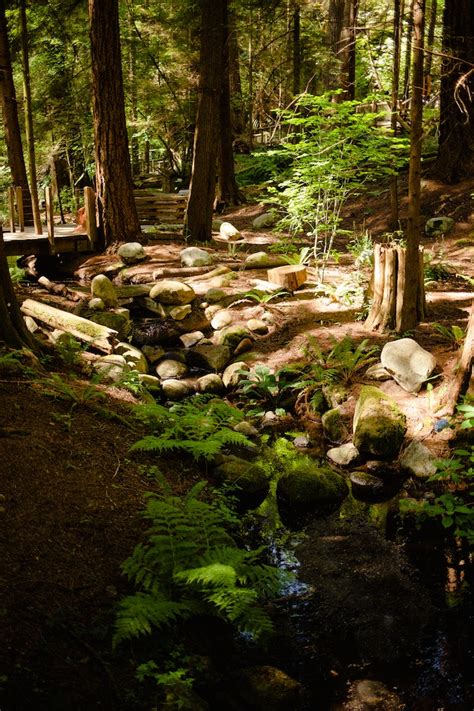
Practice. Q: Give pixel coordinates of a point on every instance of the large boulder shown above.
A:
(131, 252)
(249, 477)
(408, 363)
(195, 257)
(379, 424)
(437, 226)
(102, 288)
(170, 291)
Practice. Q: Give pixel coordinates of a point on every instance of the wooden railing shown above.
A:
(156, 208)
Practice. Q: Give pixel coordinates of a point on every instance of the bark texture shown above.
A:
(114, 186)
(198, 223)
(13, 331)
(11, 126)
(455, 159)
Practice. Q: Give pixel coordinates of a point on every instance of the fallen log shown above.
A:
(462, 371)
(100, 337)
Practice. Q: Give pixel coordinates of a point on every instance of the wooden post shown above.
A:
(19, 208)
(91, 219)
(50, 218)
(11, 208)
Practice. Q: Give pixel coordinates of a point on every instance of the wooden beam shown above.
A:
(91, 218)
(11, 208)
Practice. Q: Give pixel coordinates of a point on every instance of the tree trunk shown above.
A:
(296, 44)
(410, 313)
(228, 189)
(16, 160)
(342, 39)
(455, 159)
(235, 84)
(429, 47)
(13, 331)
(114, 185)
(132, 65)
(198, 223)
(406, 76)
(397, 17)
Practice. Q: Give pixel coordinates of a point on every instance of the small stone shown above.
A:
(195, 257)
(131, 252)
(209, 357)
(176, 389)
(262, 260)
(210, 383)
(178, 313)
(112, 367)
(334, 426)
(191, 339)
(232, 375)
(169, 291)
(150, 381)
(232, 335)
(153, 353)
(246, 428)
(228, 232)
(301, 442)
(244, 346)
(257, 326)
(96, 304)
(31, 324)
(170, 369)
(437, 226)
(211, 310)
(102, 288)
(133, 356)
(418, 460)
(221, 319)
(267, 219)
(214, 295)
(344, 455)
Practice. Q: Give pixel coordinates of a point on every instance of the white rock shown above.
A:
(176, 389)
(112, 367)
(191, 339)
(267, 219)
(210, 383)
(246, 429)
(228, 232)
(178, 313)
(408, 363)
(221, 319)
(172, 292)
(170, 369)
(102, 288)
(133, 356)
(231, 375)
(343, 455)
(257, 326)
(195, 257)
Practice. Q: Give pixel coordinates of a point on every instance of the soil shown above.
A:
(71, 492)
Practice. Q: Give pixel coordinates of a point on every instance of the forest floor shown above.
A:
(71, 493)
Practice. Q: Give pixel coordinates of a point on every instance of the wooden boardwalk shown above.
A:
(67, 239)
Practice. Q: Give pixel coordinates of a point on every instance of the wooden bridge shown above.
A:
(153, 208)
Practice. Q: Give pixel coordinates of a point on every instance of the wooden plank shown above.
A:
(11, 208)
(20, 208)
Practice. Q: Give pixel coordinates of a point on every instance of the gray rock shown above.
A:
(169, 291)
(153, 353)
(267, 219)
(244, 346)
(214, 295)
(344, 455)
(232, 335)
(150, 382)
(221, 319)
(262, 260)
(195, 257)
(176, 389)
(379, 425)
(437, 226)
(418, 460)
(168, 368)
(113, 319)
(301, 442)
(133, 356)
(209, 357)
(210, 383)
(232, 375)
(408, 363)
(131, 252)
(366, 486)
(308, 485)
(102, 288)
(228, 232)
(179, 313)
(246, 428)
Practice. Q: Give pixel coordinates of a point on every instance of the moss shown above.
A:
(379, 424)
(309, 485)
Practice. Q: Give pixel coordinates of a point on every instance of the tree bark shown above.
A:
(198, 222)
(342, 39)
(296, 48)
(13, 331)
(11, 125)
(397, 17)
(228, 189)
(455, 159)
(114, 185)
(410, 315)
(235, 84)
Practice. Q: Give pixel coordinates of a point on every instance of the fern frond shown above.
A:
(215, 575)
(140, 613)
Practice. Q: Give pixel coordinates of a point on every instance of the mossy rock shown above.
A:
(252, 484)
(379, 424)
(118, 322)
(334, 426)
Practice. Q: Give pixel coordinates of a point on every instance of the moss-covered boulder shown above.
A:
(308, 485)
(250, 479)
(379, 424)
(334, 425)
(266, 687)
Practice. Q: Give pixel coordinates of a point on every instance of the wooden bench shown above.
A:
(160, 208)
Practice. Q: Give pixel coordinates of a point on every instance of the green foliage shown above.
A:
(264, 389)
(452, 334)
(69, 348)
(435, 269)
(262, 166)
(335, 150)
(262, 297)
(361, 247)
(342, 362)
(454, 507)
(201, 426)
(76, 393)
(191, 565)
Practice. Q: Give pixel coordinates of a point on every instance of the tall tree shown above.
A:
(114, 185)
(455, 159)
(342, 20)
(13, 331)
(409, 312)
(198, 224)
(16, 160)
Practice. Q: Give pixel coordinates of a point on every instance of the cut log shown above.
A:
(290, 277)
(100, 337)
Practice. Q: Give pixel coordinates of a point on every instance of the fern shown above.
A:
(202, 427)
(192, 565)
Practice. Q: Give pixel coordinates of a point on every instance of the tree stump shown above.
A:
(388, 285)
(290, 277)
